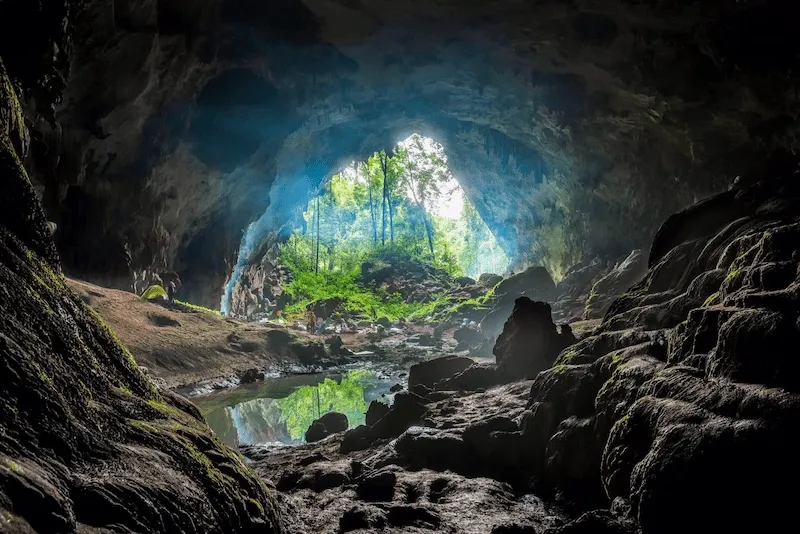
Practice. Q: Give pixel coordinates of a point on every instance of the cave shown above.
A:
(166, 368)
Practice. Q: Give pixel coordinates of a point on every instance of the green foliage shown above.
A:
(299, 409)
(154, 292)
(349, 215)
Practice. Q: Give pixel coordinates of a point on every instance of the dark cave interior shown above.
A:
(632, 371)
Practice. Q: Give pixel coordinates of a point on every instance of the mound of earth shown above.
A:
(87, 443)
(183, 346)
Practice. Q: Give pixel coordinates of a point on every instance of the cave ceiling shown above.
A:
(184, 121)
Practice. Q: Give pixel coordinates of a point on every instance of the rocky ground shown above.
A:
(679, 408)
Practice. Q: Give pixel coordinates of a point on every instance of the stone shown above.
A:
(375, 411)
(330, 423)
(379, 486)
(625, 274)
(472, 337)
(530, 341)
(473, 378)
(432, 371)
(489, 280)
(250, 376)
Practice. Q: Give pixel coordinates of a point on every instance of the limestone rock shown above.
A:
(530, 341)
(330, 423)
(432, 371)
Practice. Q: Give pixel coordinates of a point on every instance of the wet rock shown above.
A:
(384, 322)
(615, 283)
(470, 337)
(464, 281)
(379, 486)
(432, 371)
(357, 518)
(250, 376)
(514, 529)
(534, 283)
(357, 439)
(412, 516)
(330, 423)
(395, 388)
(87, 442)
(489, 280)
(473, 378)
(530, 341)
(375, 411)
(407, 410)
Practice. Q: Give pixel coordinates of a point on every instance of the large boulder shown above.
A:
(534, 283)
(429, 373)
(530, 340)
(330, 423)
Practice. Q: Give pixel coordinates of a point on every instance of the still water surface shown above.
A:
(281, 410)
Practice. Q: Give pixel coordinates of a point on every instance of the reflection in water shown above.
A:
(282, 410)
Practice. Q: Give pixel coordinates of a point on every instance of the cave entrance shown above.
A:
(387, 238)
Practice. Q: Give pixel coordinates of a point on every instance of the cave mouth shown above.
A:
(388, 237)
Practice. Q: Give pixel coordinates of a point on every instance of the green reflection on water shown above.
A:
(284, 408)
(299, 409)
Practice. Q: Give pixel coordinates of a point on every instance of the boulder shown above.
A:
(475, 377)
(489, 280)
(534, 282)
(324, 308)
(407, 410)
(430, 372)
(530, 340)
(330, 423)
(605, 290)
(375, 411)
(471, 337)
(250, 376)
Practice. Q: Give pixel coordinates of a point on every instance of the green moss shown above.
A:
(143, 426)
(126, 390)
(43, 376)
(711, 300)
(199, 458)
(14, 466)
(195, 307)
(153, 292)
(732, 274)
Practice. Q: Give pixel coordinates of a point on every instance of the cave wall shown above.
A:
(183, 122)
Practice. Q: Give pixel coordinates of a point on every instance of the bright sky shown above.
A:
(450, 205)
(452, 201)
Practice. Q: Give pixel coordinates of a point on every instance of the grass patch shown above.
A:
(195, 307)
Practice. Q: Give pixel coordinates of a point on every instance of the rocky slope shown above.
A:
(182, 346)
(677, 414)
(86, 441)
(583, 123)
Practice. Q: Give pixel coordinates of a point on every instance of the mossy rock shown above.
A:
(87, 441)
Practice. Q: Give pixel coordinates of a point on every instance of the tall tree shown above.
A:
(384, 169)
(316, 252)
(371, 202)
(418, 194)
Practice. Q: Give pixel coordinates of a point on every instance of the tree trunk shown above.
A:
(316, 253)
(384, 165)
(420, 201)
(371, 208)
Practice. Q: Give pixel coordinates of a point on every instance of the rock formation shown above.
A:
(86, 440)
(549, 112)
(530, 341)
